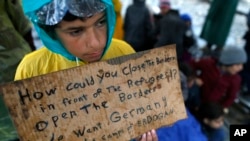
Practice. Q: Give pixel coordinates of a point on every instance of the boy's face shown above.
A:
(234, 69)
(85, 39)
(215, 123)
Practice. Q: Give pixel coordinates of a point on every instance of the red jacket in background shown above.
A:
(217, 86)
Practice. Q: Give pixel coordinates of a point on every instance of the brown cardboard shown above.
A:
(117, 99)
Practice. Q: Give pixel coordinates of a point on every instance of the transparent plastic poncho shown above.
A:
(53, 12)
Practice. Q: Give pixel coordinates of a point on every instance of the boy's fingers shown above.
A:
(154, 135)
(144, 137)
(149, 136)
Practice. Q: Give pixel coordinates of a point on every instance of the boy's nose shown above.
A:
(92, 40)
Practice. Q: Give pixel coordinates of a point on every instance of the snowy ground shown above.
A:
(198, 10)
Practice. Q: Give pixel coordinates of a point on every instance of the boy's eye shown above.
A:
(101, 22)
(76, 32)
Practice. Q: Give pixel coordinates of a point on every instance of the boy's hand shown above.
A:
(149, 136)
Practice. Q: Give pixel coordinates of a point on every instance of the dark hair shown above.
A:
(210, 110)
(70, 17)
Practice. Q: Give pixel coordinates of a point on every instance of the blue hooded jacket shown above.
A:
(188, 129)
(30, 6)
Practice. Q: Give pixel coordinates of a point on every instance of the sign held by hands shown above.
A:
(118, 99)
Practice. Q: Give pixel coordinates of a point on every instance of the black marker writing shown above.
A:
(35, 95)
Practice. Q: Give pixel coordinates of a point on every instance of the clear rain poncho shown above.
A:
(51, 12)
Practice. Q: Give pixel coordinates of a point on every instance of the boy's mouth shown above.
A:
(95, 54)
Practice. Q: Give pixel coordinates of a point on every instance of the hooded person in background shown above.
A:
(138, 26)
(189, 37)
(118, 33)
(75, 33)
(219, 79)
(190, 47)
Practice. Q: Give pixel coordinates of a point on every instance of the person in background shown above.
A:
(187, 77)
(217, 25)
(138, 26)
(188, 129)
(15, 38)
(164, 6)
(211, 117)
(169, 28)
(81, 34)
(193, 129)
(118, 33)
(189, 40)
(15, 42)
(218, 79)
(190, 89)
(245, 74)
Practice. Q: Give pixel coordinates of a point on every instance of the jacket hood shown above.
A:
(31, 6)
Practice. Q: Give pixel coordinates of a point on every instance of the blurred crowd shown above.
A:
(212, 77)
(213, 74)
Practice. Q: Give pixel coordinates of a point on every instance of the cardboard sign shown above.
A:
(118, 99)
